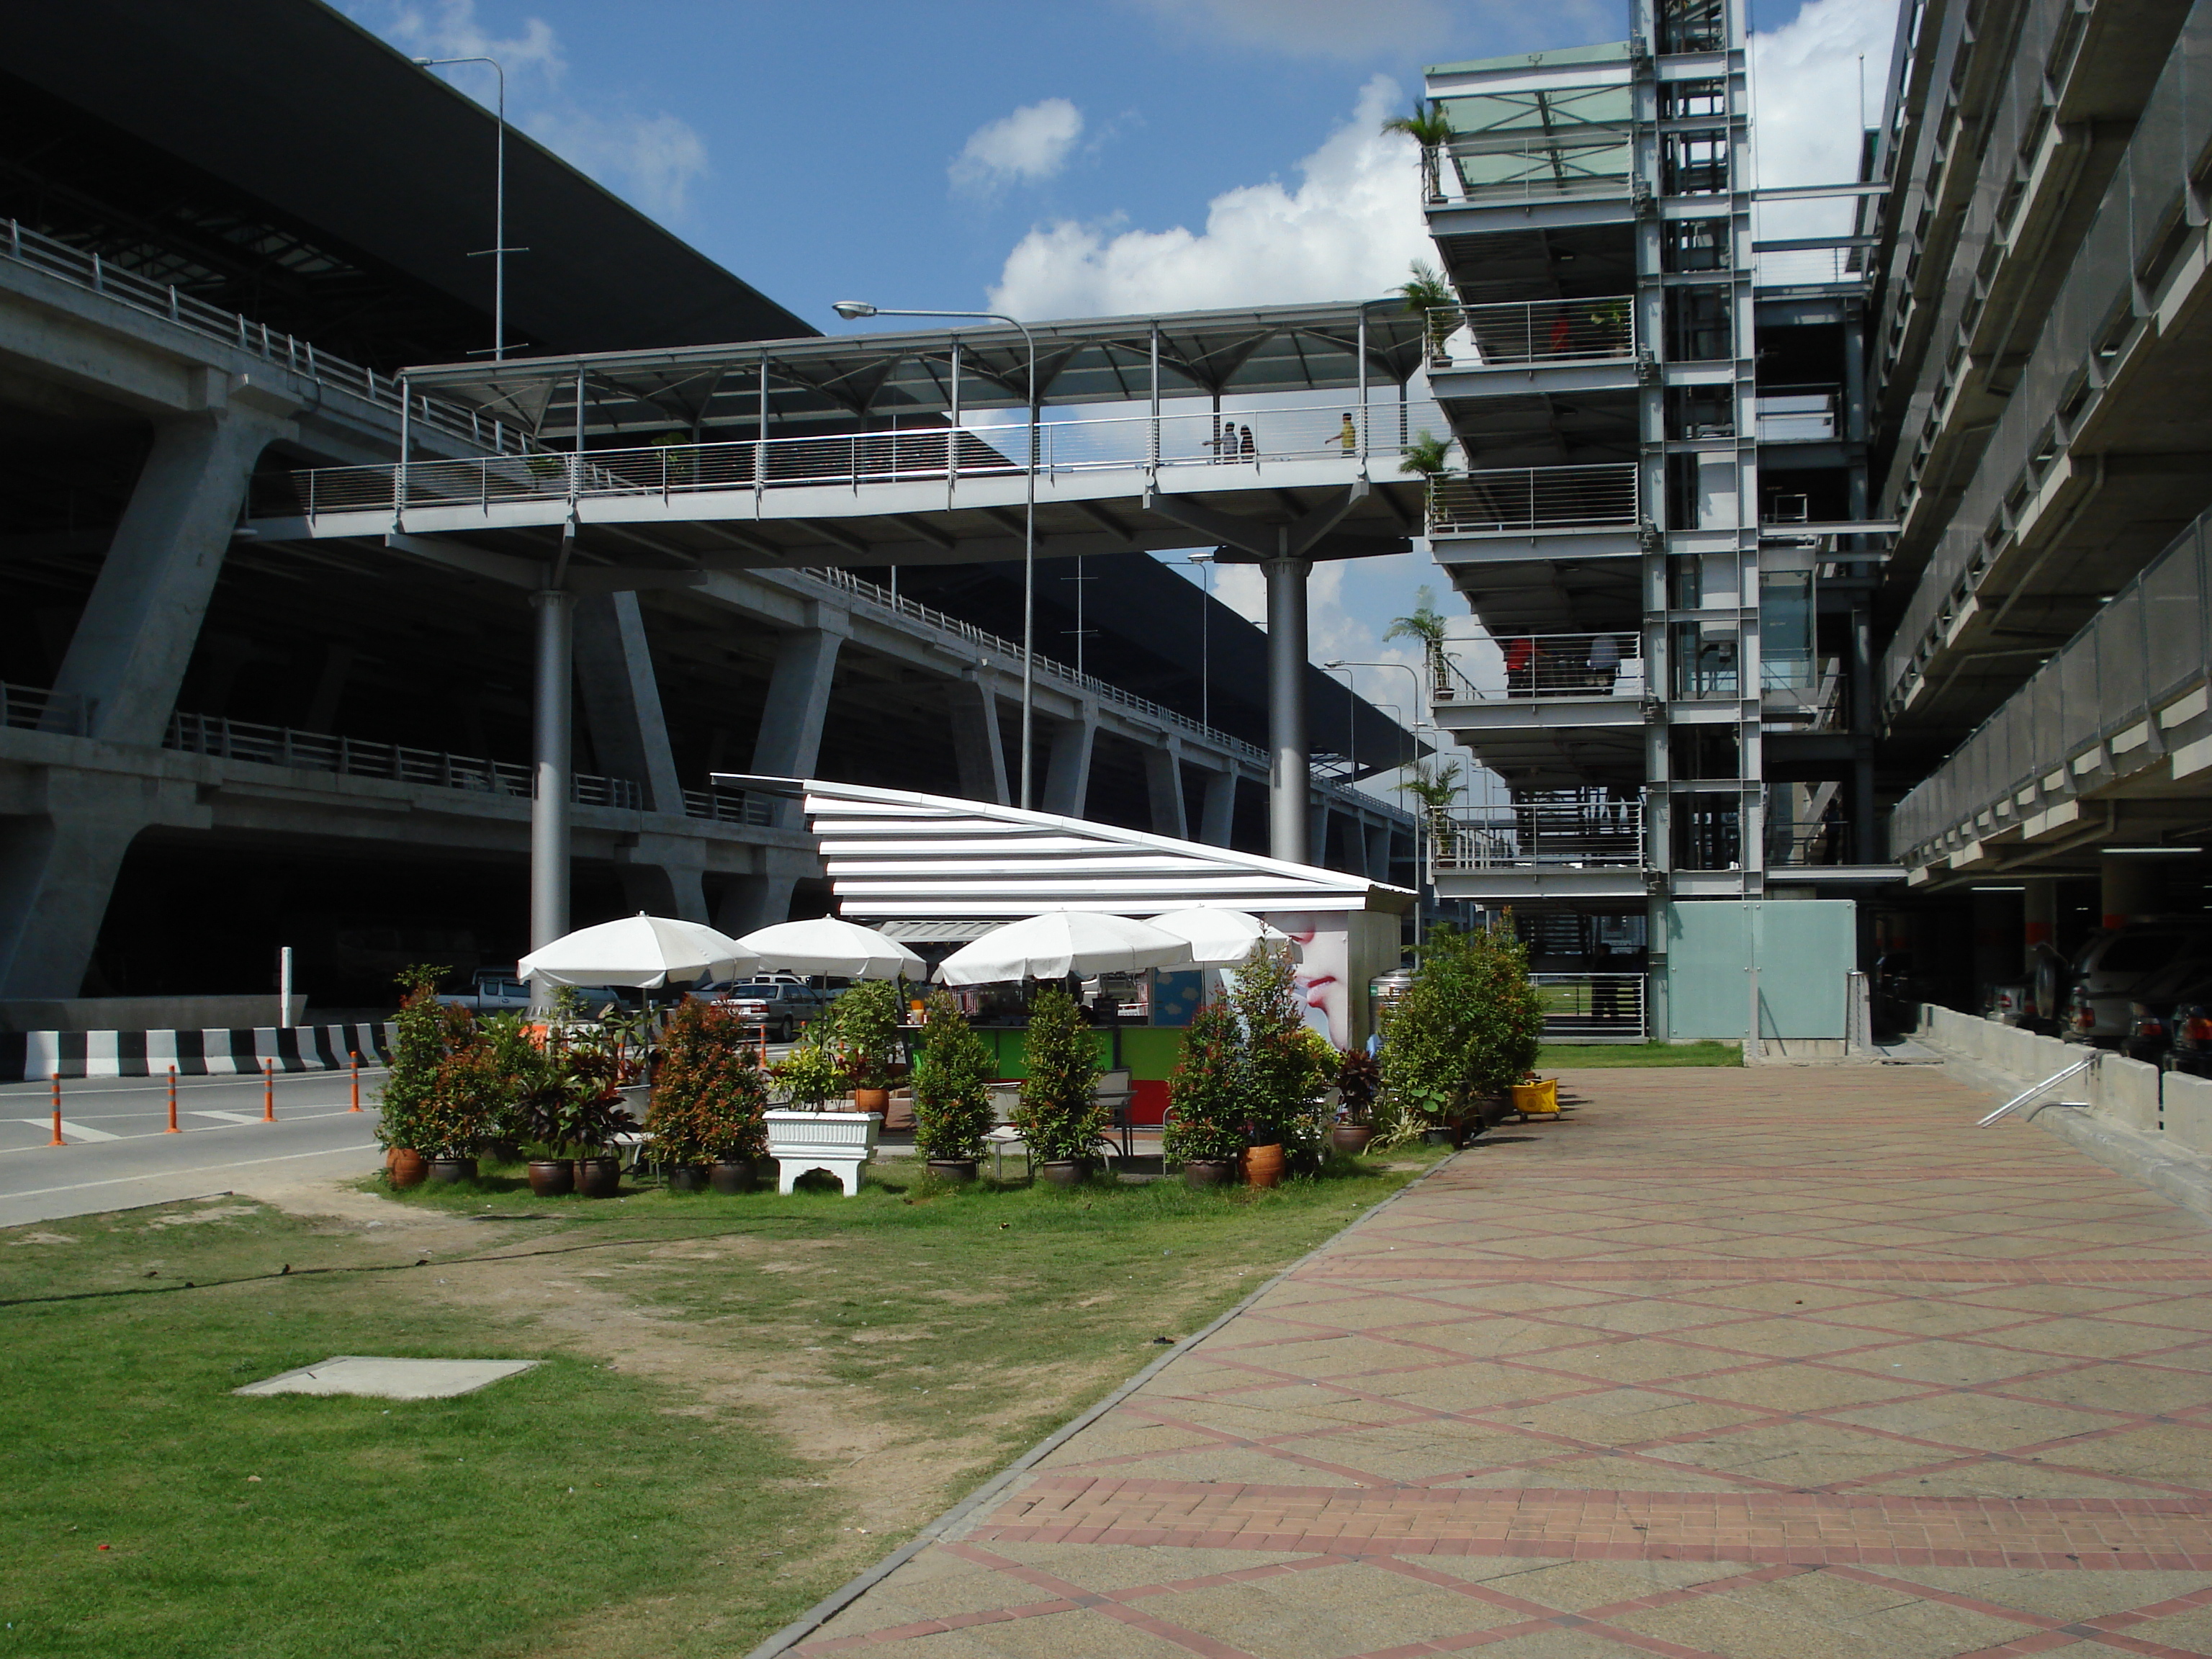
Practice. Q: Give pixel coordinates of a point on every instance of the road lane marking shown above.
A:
(162, 1174)
(228, 1117)
(69, 1129)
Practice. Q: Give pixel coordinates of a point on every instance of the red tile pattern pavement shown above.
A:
(1741, 1363)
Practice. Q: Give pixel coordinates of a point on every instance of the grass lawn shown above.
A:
(743, 1400)
(1562, 1056)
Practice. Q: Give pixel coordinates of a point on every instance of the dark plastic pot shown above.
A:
(552, 1177)
(953, 1171)
(1439, 1136)
(503, 1151)
(1066, 1171)
(1207, 1172)
(731, 1177)
(1351, 1138)
(688, 1178)
(598, 1177)
(447, 1171)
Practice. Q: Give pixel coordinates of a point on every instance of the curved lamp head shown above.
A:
(853, 310)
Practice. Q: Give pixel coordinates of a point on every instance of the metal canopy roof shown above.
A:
(870, 379)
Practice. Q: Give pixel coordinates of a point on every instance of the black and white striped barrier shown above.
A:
(35, 1056)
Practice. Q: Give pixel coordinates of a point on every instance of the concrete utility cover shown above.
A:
(391, 1379)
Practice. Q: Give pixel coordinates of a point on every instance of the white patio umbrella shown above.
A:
(645, 951)
(1060, 943)
(827, 945)
(1222, 938)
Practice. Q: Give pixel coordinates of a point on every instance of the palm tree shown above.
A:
(1431, 129)
(1427, 293)
(1436, 789)
(1426, 624)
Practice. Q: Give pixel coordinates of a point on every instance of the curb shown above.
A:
(2180, 1176)
(845, 1594)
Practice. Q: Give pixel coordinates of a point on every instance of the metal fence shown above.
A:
(1591, 1007)
(1241, 437)
(162, 299)
(1540, 331)
(1541, 835)
(1506, 500)
(1551, 665)
(32, 708)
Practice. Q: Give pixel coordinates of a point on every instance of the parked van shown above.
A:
(2117, 963)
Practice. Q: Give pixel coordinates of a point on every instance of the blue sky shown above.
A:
(1066, 158)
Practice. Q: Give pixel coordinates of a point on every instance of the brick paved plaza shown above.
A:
(1768, 1364)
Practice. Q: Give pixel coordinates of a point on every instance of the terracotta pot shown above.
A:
(1351, 1138)
(871, 1100)
(1263, 1166)
(1207, 1172)
(688, 1178)
(446, 1171)
(405, 1168)
(952, 1170)
(552, 1177)
(1066, 1171)
(736, 1177)
(598, 1177)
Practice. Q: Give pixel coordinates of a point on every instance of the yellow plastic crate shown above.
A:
(1537, 1099)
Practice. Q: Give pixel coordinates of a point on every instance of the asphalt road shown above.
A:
(118, 1152)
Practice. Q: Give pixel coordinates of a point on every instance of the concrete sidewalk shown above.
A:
(1728, 1362)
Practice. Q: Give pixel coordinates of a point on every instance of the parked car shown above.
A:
(2117, 964)
(778, 1005)
(492, 991)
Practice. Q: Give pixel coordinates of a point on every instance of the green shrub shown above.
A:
(814, 1074)
(1283, 1082)
(418, 1047)
(1205, 1096)
(1058, 1116)
(1468, 1027)
(865, 1021)
(709, 1092)
(952, 1072)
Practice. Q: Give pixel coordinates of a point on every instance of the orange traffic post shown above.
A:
(57, 1141)
(268, 1091)
(356, 1082)
(173, 1129)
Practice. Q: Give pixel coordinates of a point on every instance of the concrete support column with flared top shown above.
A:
(552, 773)
(1217, 809)
(2129, 887)
(1289, 768)
(1067, 764)
(1163, 790)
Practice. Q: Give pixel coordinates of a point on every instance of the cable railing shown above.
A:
(1523, 499)
(1538, 666)
(1537, 333)
(89, 271)
(1540, 834)
(1591, 1007)
(1251, 439)
(1811, 267)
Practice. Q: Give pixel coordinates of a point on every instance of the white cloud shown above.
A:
(1316, 28)
(1028, 147)
(652, 160)
(1348, 231)
(1805, 98)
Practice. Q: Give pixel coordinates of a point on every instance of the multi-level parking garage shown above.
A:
(227, 235)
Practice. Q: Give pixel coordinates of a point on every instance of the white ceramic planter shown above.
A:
(838, 1142)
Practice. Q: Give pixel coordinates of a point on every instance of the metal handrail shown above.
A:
(2051, 1082)
(1537, 332)
(1541, 835)
(90, 271)
(1523, 499)
(1538, 665)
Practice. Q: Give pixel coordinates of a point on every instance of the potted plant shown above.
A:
(1431, 129)
(952, 1072)
(464, 1100)
(1059, 1115)
(418, 1046)
(1359, 1075)
(1428, 294)
(1282, 1092)
(865, 1020)
(707, 1095)
(1467, 1027)
(1206, 1116)
(802, 1133)
(1427, 625)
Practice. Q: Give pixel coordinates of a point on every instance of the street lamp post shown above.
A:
(500, 250)
(853, 311)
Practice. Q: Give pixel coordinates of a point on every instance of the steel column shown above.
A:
(1290, 782)
(552, 780)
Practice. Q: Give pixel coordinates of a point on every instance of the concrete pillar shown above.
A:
(1866, 827)
(622, 698)
(1994, 933)
(135, 640)
(1289, 783)
(2129, 887)
(762, 899)
(2039, 922)
(1316, 833)
(664, 875)
(972, 708)
(548, 809)
(1217, 813)
(1163, 790)
(1067, 766)
(790, 740)
(1377, 837)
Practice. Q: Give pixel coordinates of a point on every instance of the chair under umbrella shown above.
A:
(1060, 943)
(1222, 938)
(827, 944)
(641, 951)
